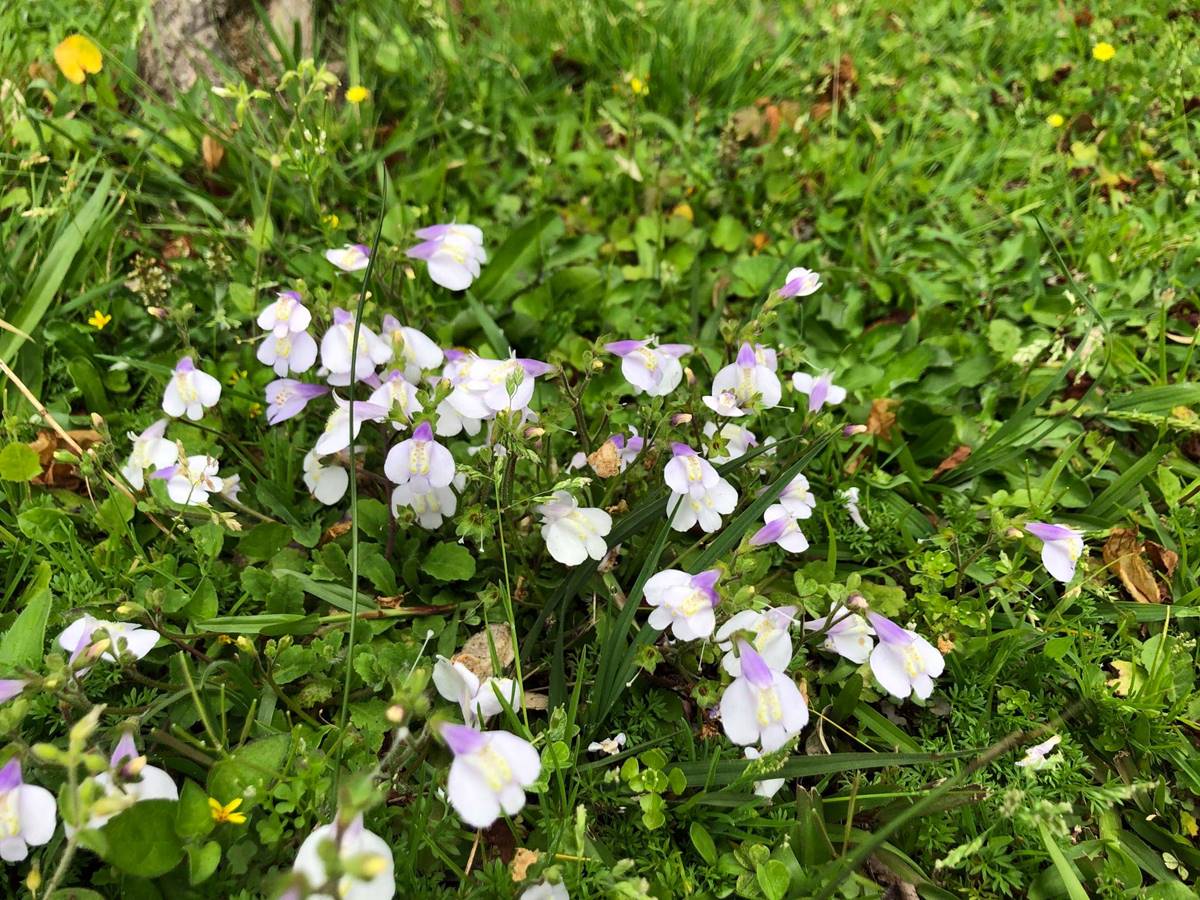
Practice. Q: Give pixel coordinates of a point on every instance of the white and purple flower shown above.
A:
(769, 633)
(1062, 546)
(850, 501)
(336, 346)
(490, 772)
(350, 258)
(820, 389)
(420, 463)
(398, 396)
(327, 483)
(800, 282)
(287, 397)
(128, 781)
(190, 391)
(337, 433)
(412, 350)
(797, 499)
(698, 493)
(86, 631)
(649, 366)
(287, 314)
(781, 528)
(478, 700)
(684, 603)
(573, 533)
(368, 869)
(738, 441)
(452, 252)
(846, 633)
(743, 383)
(150, 451)
(288, 352)
(761, 706)
(1036, 756)
(28, 814)
(192, 480)
(903, 662)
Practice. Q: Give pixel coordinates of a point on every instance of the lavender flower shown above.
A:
(29, 814)
(800, 282)
(150, 451)
(287, 397)
(649, 366)
(190, 391)
(453, 253)
(742, 383)
(820, 390)
(903, 662)
(848, 634)
(761, 705)
(350, 258)
(420, 463)
(1061, 548)
(698, 493)
(684, 603)
(771, 637)
(490, 772)
(781, 528)
(573, 533)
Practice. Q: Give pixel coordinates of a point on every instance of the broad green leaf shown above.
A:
(23, 643)
(193, 818)
(19, 462)
(250, 766)
(142, 841)
(449, 562)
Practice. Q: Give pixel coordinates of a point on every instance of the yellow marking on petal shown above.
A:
(769, 709)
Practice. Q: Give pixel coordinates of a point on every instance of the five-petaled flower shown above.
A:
(478, 699)
(573, 533)
(420, 463)
(698, 493)
(190, 391)
(227, 812)
(781, 528)
(28, 814)
(1036, 756)
(150, 451)
(490, 772)
(453, 253)
(742, 383)
(649, 366)
(1061, 548)
(98, 319)
(769, 632)
(903, 662)
(800, 282)
(820, 389)
(684, 603)
(368, 869)
(846, 633)
(761, 705)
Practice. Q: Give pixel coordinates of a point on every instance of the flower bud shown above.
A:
(533, 431)
(47, 753)
(680, 419)
(690, 376)
(396, 713)
(857, 602)
(852, 430)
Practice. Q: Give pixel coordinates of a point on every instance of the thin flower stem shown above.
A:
(344, 712)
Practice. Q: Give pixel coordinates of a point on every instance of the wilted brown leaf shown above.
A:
(63, 475)
(1123, 554)
(953, 461)
(748, 123)
(1163, 560)
(178, 248)
(882, 417)
(605, 461)
(522, 860)
(213, 151)
(333, 532)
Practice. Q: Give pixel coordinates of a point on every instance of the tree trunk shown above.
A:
(188, 40)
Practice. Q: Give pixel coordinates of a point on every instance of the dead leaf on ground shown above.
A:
(1163, 560)
(476, 654)
(333, 532)
(522, 860)
(1123, 554)
(953, 461)
(605, 461)
(55, 474)
(882, 417)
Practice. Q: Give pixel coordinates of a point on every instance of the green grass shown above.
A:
(1022, 290)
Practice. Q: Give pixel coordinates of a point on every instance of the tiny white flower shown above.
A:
(610, 746)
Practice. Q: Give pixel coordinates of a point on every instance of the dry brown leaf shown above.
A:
(476, 654)
(1123, 554)
(333, 532)
(882, 417)
(1163, 560)
(953, 461)
(522, 860)
(213, 150)
(179, 248)
(63, 475)
(748, 123)
(605, 461)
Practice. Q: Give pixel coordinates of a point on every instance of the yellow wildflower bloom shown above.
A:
(78, 57)
(1054, 120)
(1104, 51)
(98, 320)
(226, 813)
(357, 94)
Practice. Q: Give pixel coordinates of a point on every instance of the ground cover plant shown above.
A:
(603, 450)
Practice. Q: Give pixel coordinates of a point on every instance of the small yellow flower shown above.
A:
(684, 211)
(1054, 120)
(77, 57)
(255, 410)
(235, 376)
(331, 219)
(640, 88)
(357, 94)
(226, 813)
(98, 320)
(1104, 51)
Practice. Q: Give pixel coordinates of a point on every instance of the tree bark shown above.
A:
(188, 40)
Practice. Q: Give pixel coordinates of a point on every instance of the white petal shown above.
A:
(38, 814)
(469, 794)
(522, 758)
(1057, 560)
(738, 718)
(888, 667)
(449, 274)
